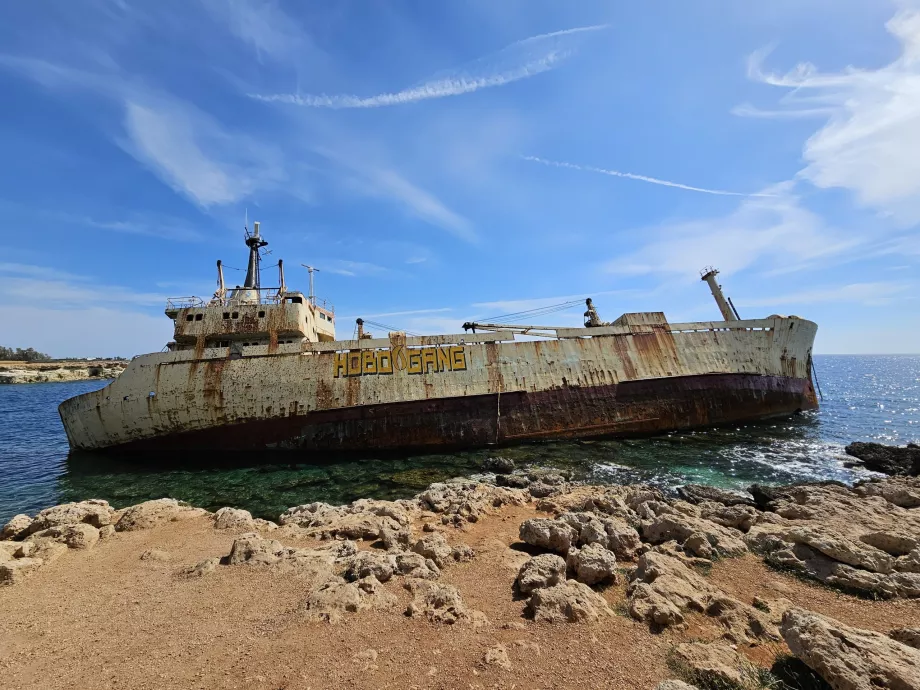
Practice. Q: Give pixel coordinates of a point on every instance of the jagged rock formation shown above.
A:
(849, 658)
(893, 460)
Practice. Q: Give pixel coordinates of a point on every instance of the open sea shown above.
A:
(866, 398)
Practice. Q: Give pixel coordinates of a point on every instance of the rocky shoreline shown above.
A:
(56, 372)
(714, 589)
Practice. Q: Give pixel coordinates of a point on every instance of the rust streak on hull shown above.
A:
(626, 409)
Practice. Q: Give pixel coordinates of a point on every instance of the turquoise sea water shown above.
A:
(867, 398)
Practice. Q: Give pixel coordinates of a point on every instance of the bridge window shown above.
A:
(189, 318)
(236, 315)
(261, 314)
(226, 314)
(198, 317)
(295, 300)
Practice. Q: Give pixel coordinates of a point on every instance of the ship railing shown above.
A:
(175, 303)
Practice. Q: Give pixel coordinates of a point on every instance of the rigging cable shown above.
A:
(539, 311)
(377, 324)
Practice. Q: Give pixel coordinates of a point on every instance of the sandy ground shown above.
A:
(104, 618)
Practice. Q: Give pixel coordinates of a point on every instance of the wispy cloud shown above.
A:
(410, 312)
(261, 24)
(872, 132)
(520, 60)
(864, 293)
(759, 232)
(380, 181)
(633, 176)
(185, 147)
(24, 283)
(748, 110)
(352, 269)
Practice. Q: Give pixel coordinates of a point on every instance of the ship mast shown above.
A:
(728, 313)
(255, 243)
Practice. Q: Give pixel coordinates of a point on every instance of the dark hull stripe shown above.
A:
(631, 408)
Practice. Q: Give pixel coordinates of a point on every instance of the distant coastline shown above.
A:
(60, 370)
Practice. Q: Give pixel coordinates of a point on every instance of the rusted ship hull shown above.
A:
(632, 408)
(453, 391)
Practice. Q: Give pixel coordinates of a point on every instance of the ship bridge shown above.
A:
(250, 314)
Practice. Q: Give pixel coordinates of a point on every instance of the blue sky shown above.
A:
(441, 162)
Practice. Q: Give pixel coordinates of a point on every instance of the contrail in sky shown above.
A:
(640, 178)
(521, 59)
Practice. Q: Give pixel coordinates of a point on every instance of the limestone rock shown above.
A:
(395, 539)
(542, 490)
(362, 519)
(715, 664)
(366, 563)
(155, 555)
(106, 531)
(497, 656)
(48, 551)
(567, 602)
(412, 564)
(592, 564)
(233, 518)
(664, 588)
(75, 536)
(698, 545)
(331, 600)
(17, 570)
(887, 459)
(253, 549)
(435, 547)
(545, 570)
(850, 658)
(512, 481)
(95, 512)
(462, 553)
(724, 541)
(552, 535)
(202, 569)
(436, 602)
(675, 685)
(466, 500)
(740, 517)
(698, 493)
(908, 636)
(902, 492)
(498, 465)
(845, 550)
(148, 514)
(17, 526)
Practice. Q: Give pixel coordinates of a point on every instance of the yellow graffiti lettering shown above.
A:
(444, 363)
(354, 363)
(429, 359)
(384, 362)
(413, 361)
(399, 358)
(458, 357)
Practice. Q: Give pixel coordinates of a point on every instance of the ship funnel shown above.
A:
(709, 275)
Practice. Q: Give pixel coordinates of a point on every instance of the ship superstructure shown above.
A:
(257, 367)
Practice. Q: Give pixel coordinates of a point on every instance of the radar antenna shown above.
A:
(311, 270)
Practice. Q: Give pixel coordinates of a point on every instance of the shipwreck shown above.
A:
(255, 367)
